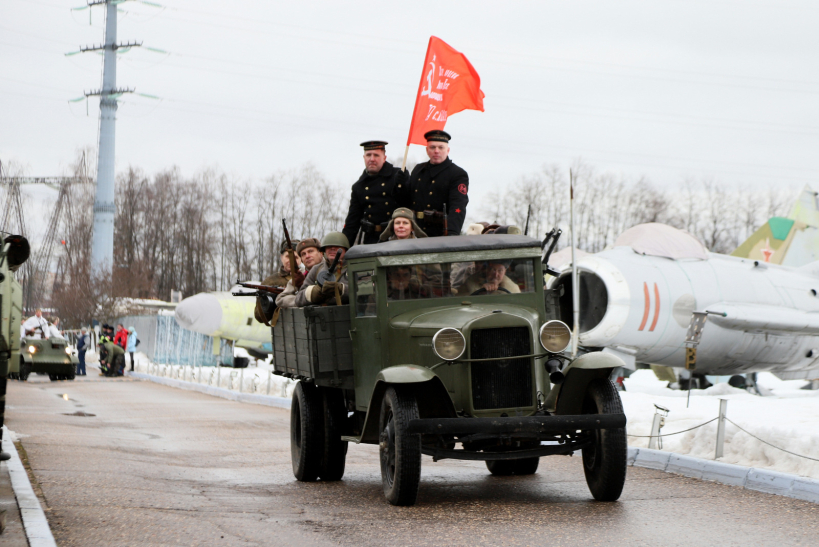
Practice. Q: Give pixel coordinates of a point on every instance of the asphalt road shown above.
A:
(123, 462)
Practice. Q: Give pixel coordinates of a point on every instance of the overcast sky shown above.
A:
(667, 89)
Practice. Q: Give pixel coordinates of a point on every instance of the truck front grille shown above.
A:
(501, 383)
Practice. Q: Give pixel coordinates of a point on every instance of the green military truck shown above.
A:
(13, 254)
(447, 341)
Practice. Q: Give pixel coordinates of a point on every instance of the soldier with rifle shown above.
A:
(372, 201)
(327, 282)
(282, 276)
(437, 190)
(309, 250)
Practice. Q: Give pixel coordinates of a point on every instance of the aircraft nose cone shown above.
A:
(200, 313)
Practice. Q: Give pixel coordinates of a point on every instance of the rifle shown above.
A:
(258, 288)
(330, 275)
(445, 221)
(291, 253)
(554, 235)
(528, 214)
(265, 296)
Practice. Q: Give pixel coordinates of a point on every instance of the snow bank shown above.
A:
(788, 418)
(253, 379)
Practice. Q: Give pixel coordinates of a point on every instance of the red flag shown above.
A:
(449, 84)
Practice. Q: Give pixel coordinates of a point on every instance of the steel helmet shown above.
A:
(334, 239)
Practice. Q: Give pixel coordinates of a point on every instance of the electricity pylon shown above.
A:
(102, 247)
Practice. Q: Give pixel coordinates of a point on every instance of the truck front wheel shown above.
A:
(604, 462)
(306, 432)
(400, 452)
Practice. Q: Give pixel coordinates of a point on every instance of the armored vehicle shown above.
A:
(447, 341)
(53, 356)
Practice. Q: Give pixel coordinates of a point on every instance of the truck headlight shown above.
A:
(68, 350)
(448, 344)
(555, 336)
(32, 349)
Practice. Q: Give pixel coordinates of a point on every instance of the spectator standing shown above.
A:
(83, 341)
(121, 337)
(132, 342)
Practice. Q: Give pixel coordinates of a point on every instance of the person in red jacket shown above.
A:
(121, 338)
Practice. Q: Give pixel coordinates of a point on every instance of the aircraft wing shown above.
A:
(774, 319)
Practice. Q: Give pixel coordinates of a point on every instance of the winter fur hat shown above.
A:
(402, 212)
(306, 243)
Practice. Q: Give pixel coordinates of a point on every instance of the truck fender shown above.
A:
(567, 398)
(433, 398)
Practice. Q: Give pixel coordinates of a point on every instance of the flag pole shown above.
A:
(575, 278)
(404, 163)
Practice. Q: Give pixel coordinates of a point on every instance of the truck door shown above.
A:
(365, 334)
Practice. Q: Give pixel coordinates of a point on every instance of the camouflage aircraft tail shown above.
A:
(791, 241)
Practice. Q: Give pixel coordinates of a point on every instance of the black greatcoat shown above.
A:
(372, 200)
(429, 187)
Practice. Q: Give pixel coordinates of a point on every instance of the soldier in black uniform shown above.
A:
(372, 201)
(433, 184)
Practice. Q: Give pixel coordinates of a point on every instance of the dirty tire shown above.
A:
(25, 370)
(334, 454)
(523, 466)
(604, 462)
(400, 452)
(53, 377)
(306, 432)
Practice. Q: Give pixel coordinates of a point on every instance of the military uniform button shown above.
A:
(430, 193)
(433, 182)
(367, 187)
(369, 206)
(382, 184)
(366, 197)
(384, 193)
(419, 178)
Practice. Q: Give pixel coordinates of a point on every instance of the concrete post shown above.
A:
(655, 431)
(269, 378)
(218, 376)
(241, 379)
(723, 412)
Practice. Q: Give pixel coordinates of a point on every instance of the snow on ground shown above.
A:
(788, 418)
(253, 379)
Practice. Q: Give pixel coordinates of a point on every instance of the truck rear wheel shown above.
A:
(604, 462)
(306, 432)
(523, 466)
(334, 455)
(400, 452)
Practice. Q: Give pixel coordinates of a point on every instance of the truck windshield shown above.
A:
(489, 277)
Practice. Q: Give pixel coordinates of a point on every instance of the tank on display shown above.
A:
(637, 299)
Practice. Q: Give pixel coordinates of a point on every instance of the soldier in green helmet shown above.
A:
(323, 286)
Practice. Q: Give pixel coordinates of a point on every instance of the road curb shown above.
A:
(750, 478)
(38, 532)
(224, 393)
